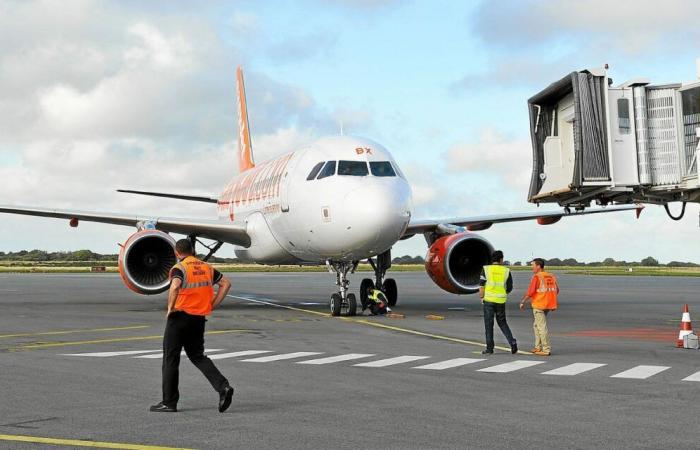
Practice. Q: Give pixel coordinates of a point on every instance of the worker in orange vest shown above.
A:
(190, 299)
(542, 294)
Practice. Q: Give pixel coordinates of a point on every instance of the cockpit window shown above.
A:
(315, 171)
(382, 169)
(328, 170)
(353, 168)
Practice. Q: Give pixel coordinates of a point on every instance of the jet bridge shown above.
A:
(631, 143)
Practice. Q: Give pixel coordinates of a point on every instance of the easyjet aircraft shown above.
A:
(338, 201)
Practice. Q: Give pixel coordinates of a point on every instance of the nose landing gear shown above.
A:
(342, 299)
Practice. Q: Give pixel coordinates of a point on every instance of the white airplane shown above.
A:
(338, 201)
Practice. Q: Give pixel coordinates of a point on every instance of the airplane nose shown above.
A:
(377, 214)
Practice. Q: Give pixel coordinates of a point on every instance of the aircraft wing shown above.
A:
(476, 223)
(210, 229)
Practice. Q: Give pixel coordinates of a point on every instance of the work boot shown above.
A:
(160, 407)
(541, 353)
(535, 350)
(514, 348)
(487, 352)
(225, 397)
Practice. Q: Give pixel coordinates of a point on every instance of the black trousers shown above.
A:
(185, 330)
(499, 310)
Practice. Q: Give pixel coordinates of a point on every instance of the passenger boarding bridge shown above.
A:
(631, 143)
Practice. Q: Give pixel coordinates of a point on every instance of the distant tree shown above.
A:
(650, 261)
(569, 262)
(609, 262)
(554, 262)
(506, 263)
(517, 263)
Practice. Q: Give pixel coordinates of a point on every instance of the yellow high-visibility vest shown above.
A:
(374, 296)
(495, 287)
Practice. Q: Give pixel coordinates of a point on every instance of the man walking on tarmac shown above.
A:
(542, 293)
(495, 284)
(190, 300)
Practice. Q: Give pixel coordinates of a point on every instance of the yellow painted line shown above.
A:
(381, 325)
(81, 443)
(93, 330)
(104, 341)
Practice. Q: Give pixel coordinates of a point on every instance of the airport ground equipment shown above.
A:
(635, 142)
(686, 327)
(690, 341)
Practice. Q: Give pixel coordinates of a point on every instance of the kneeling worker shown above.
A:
(190, 300)
(542, 293)
(376, 301)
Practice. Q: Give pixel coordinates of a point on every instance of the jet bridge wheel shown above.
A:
(391, 291)
(352, 305)
(336, 304)
(364, 284)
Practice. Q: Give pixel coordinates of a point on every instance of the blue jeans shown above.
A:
(498, 310)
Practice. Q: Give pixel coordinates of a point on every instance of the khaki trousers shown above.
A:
(540, 328)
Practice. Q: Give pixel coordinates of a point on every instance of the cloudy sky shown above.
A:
(96, 96)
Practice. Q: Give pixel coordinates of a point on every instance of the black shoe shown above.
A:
(487, 352)
(225, 397)
(514, 348)
(160, 407)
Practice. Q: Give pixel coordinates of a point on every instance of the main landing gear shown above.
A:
(343, 301)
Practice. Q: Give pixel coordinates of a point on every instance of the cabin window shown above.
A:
(328, 170)
(382, 169)
(623, 115)
(353, 168)
(315, 171)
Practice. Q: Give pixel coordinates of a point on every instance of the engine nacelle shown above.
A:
(454, 262)
(145, 261)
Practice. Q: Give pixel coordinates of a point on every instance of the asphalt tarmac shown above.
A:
(305, 380)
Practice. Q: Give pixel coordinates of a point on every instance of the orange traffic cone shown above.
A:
(686, 327)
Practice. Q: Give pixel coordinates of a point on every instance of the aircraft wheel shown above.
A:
(336, 304)
(391, 291)
(366, 283)
(352, 305)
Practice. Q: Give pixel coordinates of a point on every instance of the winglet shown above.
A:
(638, 210)
(245, 150)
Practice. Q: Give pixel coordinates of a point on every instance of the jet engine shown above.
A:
(145, 261)
(454, 262)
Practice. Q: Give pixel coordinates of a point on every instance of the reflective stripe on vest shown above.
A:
(546, 295)
(374, 296)
(196, 292)
(495, 287)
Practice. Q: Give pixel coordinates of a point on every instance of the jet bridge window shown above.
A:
(382, 169)
(315, 171)
(328, 170)
(353, 168)
(623, 115)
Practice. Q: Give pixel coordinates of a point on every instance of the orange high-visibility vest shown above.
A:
(197, 291)
(546, 295)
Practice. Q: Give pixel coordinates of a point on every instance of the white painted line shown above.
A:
(574, 369)
(108, 354)
(281, 357)
(450, 363)
(159, 355)
(641, 372)
(511, 366)
(236, 354)
(333, 359)
(391, 361)
(693, 377)
(310, 303)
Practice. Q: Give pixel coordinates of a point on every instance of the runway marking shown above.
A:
(511, 366)
(574, 369)
(236, 354)
(108, 354)
(449, 364)
(283, 356)
(377, 325)
(93, 330)
(693, 377)
(159, 355)
(391, 361)
(105, 341)
(333, 359)
(81, 443)
(640, 372)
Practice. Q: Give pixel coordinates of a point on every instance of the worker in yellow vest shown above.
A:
(496, 283)
(542, 293)
(376, 302)
(191, 298)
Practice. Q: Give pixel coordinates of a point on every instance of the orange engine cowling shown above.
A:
(145, 261)
(454, 262)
